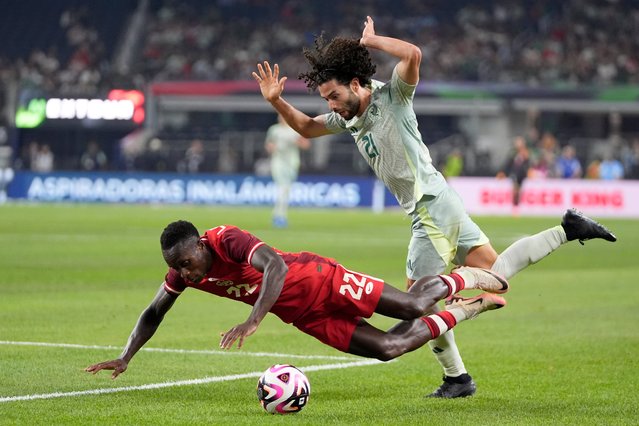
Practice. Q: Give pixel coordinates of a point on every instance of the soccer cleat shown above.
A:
(484, 279)
(474, 306)
(280, 222)
(582, 228)
(451, 389)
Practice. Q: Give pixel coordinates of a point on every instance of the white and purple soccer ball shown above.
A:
(283, 389)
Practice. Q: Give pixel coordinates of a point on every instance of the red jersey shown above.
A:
(231, 275)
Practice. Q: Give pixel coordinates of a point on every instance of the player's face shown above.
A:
(341, 98)
(190, 258)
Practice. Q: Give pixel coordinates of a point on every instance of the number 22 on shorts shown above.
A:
(355, 286)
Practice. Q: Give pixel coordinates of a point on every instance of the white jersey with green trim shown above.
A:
(387, 136)
(286, 152)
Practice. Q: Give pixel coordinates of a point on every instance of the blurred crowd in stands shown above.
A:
(535, 157)
(534, 42)
(60, 47)
(74, 46)
(525, 41)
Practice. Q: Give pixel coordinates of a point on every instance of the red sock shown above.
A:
(439, 323)
(454, 282)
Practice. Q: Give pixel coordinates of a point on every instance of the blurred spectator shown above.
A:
(593, 170)
(93, 158)
(532, 133)
(320, 152)
(454, 165)
(517, 167)
(155, 159)
(131, 147)
(44, 159)
(544, 158)
(630, 159)
(610, 168)
(6, 171)
(27, 156)
(262, 166)
(228, 162)
(568, 165)
(194, 158)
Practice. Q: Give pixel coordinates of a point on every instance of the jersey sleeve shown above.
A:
(238, 245)
(173, 283)
(334, 123)
(403, 91)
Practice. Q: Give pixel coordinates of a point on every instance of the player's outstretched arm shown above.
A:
(272, 86)
(146, 326)
(274, 270)
(410, 56)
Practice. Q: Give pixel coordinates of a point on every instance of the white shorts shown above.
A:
(442, 232)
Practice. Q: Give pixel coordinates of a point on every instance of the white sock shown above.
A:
(529, 250)
(447, 354)
(469, 281)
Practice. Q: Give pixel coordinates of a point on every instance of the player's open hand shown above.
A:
(271, 85)
(369, 30)
(239, 332)
(118, 366)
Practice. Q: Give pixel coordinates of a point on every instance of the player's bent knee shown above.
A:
(411, 310)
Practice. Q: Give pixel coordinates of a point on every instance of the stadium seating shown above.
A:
(69, 48)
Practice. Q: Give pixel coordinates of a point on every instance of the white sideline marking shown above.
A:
(182, 351)
(201, 381)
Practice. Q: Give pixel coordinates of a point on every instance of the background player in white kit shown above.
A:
(283, 145)
(381, 119)
(6, 170)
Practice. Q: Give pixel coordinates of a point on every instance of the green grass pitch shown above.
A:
(564, 351)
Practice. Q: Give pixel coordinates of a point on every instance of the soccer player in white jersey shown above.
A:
(283, 145)
(381, 119)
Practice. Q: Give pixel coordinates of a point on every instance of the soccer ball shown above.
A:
(283, 389)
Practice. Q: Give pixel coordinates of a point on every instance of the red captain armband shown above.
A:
(171, 290)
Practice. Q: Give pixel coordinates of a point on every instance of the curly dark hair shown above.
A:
(342, 59)
(176, 232)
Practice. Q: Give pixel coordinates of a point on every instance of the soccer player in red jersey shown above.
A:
(314, 293)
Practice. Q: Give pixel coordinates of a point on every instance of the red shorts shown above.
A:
(332, 320)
